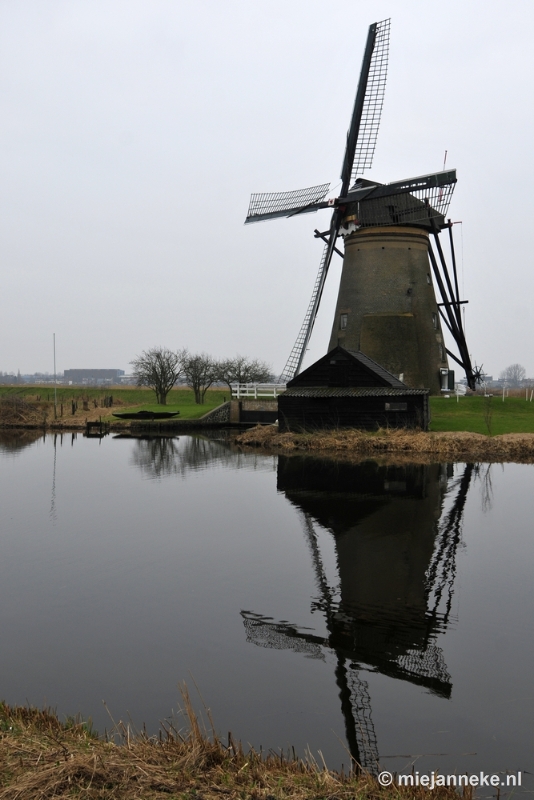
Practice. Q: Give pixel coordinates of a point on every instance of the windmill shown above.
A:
(394, 596)
(386, 305)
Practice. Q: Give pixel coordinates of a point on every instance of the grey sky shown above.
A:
(132, 134)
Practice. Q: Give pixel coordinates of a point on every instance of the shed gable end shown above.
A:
(342, 367)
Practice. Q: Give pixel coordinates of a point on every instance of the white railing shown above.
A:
(257, 389)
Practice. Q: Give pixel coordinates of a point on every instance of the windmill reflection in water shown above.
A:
(396, 561)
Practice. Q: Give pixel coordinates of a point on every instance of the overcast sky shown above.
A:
(132, 134)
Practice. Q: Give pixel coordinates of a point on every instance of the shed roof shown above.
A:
(351, 391)
(365, 372)
(374, 365)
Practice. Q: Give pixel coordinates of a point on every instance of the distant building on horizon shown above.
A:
(10, 378)
(92, 376)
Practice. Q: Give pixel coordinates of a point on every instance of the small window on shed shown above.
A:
(396, 406)
(343, 321)
(441, 352)
(428, 277)
(435, 320)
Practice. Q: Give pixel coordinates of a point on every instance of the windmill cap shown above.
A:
(361, 183)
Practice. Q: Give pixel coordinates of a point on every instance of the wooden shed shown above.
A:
(347, 389)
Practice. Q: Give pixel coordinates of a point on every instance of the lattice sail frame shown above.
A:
(428, 663)
(373, 101)
(360, 701)
(263, 205)
(298, 351)
(265, 632)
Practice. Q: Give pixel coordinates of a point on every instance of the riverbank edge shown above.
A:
(410, 445)
(40, 756)
(348, 444)
(116, 427)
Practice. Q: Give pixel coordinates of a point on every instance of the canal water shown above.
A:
(379, 609)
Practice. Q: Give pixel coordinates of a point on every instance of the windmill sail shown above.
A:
(294, 362)
(270, 205)
(365, 121)
(373, 101)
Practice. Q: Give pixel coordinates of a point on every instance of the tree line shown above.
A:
(160, 369)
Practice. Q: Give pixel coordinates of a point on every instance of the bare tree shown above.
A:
(199, 372)
(514, 374)
(159, 369)
(243, 370)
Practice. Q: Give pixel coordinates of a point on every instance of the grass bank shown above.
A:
(453, 446)
(41, 757)
(479, 414)
(34, 405)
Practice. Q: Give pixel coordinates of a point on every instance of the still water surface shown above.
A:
(386, 610)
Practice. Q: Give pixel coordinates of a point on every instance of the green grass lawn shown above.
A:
(187, 408)
(515, 415)
(129, 398)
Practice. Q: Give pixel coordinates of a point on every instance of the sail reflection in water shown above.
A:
(396, 563)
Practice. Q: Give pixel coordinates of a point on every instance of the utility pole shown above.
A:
(55, 380)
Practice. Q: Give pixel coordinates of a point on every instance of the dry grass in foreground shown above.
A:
(454, 445)
(40, 757)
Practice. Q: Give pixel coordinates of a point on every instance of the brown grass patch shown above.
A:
(16, 410)
(458, 446)
(40, 757)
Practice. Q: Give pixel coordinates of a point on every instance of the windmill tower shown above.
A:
(386, 305)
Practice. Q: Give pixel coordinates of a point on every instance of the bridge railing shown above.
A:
(257, 389)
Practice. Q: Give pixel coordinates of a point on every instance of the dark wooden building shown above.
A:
(346, 389)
